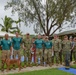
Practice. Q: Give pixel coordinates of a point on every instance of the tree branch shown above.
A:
(55, 29)
(47, 15)
(1, 25)
(38, 16)
(52, 25)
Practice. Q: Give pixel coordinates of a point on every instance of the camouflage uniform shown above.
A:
(66, 48)
(39, 50)
(60, 53)
(74, 51)
(57, 48)
(48, 55)
(43, 50)
(48, 51)
(27, 52)
(39, 54)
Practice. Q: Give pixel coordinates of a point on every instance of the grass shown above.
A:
(73, 66)
(44, 72)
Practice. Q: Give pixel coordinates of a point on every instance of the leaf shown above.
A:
(44, 16)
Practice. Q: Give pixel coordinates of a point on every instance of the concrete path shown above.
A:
(27, 69)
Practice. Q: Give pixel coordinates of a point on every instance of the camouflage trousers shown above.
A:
(66, 57)
(5, 55)
(48, 56)
(74, 55)
(27, 56)
(60, 57)
(15, 53)
(56, 56)
(39, 55)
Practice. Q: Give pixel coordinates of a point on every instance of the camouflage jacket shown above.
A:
(66, 45)
(27, 42)
(56, 44)
(74, 46)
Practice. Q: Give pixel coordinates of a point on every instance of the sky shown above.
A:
(15, 17)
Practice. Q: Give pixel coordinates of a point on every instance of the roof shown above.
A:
(3, 33)
(68, 32)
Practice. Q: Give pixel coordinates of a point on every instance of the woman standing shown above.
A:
(48, 52)
(33, 51)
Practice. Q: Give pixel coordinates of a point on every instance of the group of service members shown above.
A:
(41, 48)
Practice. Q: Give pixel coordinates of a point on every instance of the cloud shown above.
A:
(3, 2)
(15, 17)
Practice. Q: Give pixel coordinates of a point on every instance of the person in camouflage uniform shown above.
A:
(43, 38)
(26, 47)
(33, 51)
(56, 48)
(47, 52)
(74, 50)
(66, 48)
(60, 52)
(39, 50)
(72, 43)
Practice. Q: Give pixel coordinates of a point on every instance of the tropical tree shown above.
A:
(16, 29)
(44, 15)
(7, 24)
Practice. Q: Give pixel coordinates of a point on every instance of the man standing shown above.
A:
(72, 43)
(16, 41)
(60, 52)
(27, 52)
(66, 48)
(39, 49)
(56, 48)
(43, 38)
(74, 50)
(6, 45)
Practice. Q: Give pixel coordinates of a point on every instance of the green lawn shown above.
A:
(73, 66)
(44, 72)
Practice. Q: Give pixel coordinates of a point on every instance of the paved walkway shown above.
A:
(27, 69)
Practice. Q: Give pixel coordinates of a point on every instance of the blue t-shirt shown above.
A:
(39, 43)
(5, 44)
(48, 44)
(16, 43)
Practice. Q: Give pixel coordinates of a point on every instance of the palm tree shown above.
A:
(17, 27)
(17, 30)
(7, 24)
